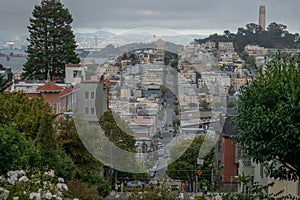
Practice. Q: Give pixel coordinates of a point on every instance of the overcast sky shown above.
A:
(206, 16)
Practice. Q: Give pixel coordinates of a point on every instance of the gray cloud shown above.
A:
(173, 14)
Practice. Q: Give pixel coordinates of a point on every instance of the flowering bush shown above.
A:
(159, 191)
(199, 197)
(19, 185)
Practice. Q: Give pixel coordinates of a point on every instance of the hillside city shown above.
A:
(163, 96)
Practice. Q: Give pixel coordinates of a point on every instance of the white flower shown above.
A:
(48, 195)
(58, 198)
(16, 198)
(12, 179)
(51, 173)
(75, 199)
(13, 176)
(65, 187)
(23, 179)
(11, 173)
(61, 180)
(32, 195)
(35, 195)
(4, 194)
(59, 186)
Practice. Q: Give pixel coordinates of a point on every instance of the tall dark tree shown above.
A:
(4, 84)
(51, 42)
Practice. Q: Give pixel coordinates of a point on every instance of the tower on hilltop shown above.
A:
(262, 17)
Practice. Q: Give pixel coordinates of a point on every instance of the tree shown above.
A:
(51, 154)
(51, 42)
(28, 114)
(119, 133)
(268, 119)
(123, 138)
(184, 168)
(71, 143)
(16, 151)
(4, 83)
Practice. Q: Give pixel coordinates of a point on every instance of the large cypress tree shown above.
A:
(51, 42)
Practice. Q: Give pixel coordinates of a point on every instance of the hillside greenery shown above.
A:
(275, 36)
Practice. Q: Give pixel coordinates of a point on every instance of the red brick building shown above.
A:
(51, 94)
(61, 97)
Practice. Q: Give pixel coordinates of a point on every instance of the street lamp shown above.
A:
(53, 116)
(65, 114)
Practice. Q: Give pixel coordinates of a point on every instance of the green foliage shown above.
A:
(174, 63)
(52, 156)
(164, 89)
(275, 36)
(71, 143)
(117, 131)
(268, 117)
(64, 165)
(32, 139)
(250, 60)
(168, 57)
(184, 168)
(51, 42)
(3, 83)
(27, 114)
(103, 186)
(176, 122)
(204, 105)
(16, 151)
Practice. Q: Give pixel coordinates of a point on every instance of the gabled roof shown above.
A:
(50, 87)
(66, 91)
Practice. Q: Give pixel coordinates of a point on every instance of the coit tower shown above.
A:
(262, 17)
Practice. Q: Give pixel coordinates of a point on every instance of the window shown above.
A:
(86, 110)
(219, 145)
(86, 95)
(55, 107)
(92, 110)
(74, 97)
(92, 95)
(261, 170)
(76, 73)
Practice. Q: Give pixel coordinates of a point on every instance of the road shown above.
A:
(167, 128)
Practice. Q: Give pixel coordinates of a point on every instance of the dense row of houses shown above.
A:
(225, 83)
(135, 94)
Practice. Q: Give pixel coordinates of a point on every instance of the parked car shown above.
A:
(160, 146)
(152, 172)
(135, 184)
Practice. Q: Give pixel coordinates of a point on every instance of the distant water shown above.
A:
(15, 63)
